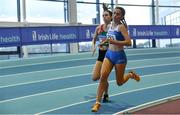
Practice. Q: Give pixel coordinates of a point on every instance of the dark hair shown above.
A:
(123, 12)
(106, 9)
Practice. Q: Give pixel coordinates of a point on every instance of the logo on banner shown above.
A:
(134, 32)
(88, 35)
(177, 31)
(34, 35)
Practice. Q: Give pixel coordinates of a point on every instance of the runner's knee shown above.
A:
(95, 78)
(103, 79)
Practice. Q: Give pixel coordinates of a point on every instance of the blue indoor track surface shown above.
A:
(61, 84)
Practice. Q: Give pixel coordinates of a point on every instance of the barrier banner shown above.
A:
(47, 35)
(150, 32)
(86, 33)
(10, 37)
(175, 31)
(17, 36)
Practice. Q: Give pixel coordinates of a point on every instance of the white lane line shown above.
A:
(45, 63)
(148, 104)
(131, 61)
(57, 78)
(62, 107)
(48, 70)
(72, 88)
(85, 59)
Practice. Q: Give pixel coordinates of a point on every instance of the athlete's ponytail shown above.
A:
(106, 8)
